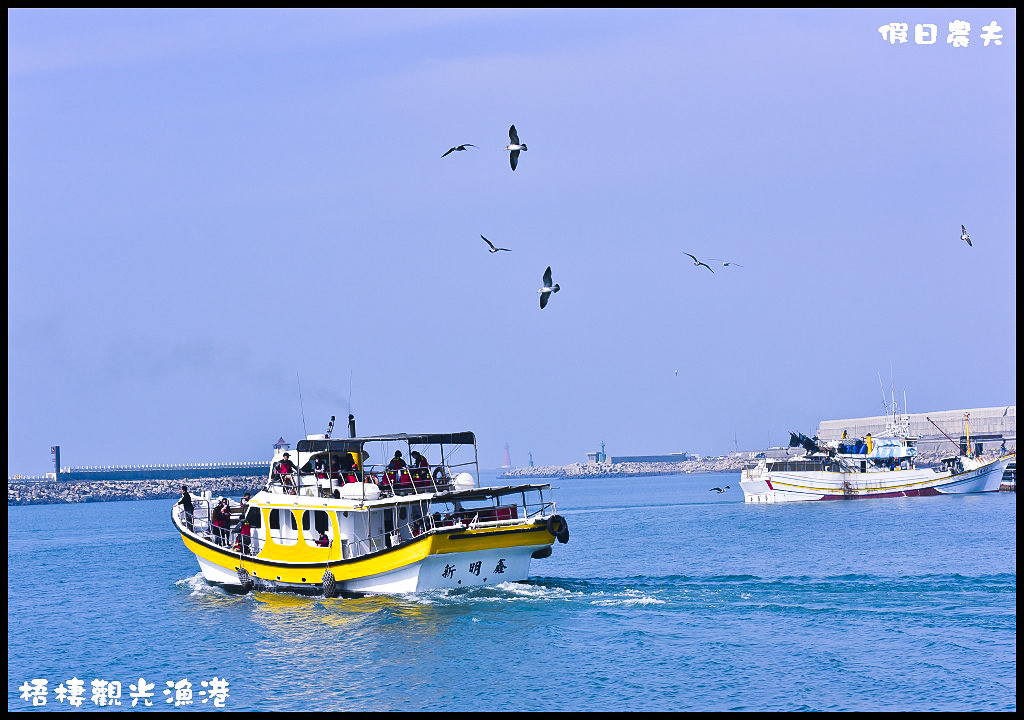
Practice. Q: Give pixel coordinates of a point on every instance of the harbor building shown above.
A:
(992, 429)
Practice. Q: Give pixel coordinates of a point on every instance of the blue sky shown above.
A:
(208, 208)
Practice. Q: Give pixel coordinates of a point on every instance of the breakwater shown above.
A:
(49, 492)
(625, 469)
(629, 469)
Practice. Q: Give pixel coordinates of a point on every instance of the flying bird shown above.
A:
(725, 263)
(963, 233)
(545, 292)
(718, 489)
(491, 245)
(514, 146)
(458, 147)
(698, 263)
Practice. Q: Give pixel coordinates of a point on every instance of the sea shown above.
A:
(669, 596)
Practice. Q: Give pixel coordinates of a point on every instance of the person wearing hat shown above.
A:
(286, 468)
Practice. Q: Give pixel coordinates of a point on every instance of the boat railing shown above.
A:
(438, 522)
(407, 481)
(200, 524)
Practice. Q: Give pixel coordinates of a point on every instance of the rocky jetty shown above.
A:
(608, 470)
(48, 492)
(625, 469)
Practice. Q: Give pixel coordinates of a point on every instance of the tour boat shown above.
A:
(344, 517)
(884, 466)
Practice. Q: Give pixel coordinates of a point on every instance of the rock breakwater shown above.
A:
(48, 492)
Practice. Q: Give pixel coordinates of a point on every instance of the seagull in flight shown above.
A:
(492, 248)
(725, 263)
(964, 236)
(458, 147)
(698, 263)
(514, 146)
(718, 489)
(545, 292)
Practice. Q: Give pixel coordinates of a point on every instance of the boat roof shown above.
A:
(465, 437)
(486, 492)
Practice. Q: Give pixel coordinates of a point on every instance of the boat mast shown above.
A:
(967, 432)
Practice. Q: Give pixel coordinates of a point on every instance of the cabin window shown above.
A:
(313, 521)
(283, 529)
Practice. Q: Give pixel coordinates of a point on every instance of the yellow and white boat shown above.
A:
(331, 521)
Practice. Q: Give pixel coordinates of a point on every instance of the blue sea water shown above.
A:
(667, 597)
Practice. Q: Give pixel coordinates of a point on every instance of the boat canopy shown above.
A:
(486, 492)
(884, 447)
(355, 444)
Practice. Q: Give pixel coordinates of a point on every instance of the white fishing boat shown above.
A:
(351, 516)
(879, 467)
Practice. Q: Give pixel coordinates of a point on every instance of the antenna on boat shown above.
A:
(351, 416)
(301, 411)
(882, 388)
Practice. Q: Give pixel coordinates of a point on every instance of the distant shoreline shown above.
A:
(626, 469)
(629, 469)
(50, 492)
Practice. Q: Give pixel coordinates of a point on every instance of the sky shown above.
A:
(225, 226)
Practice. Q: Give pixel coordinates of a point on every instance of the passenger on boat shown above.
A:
(348, 468)
(244, 510)
(220, 518)
(421, 466)
(244, 542)
(346, 463)
(323, 540)
(397, 463)
(286, 469)
(187, 506)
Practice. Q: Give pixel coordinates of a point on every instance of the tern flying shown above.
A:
(964, 236)
(698, 262)
(458, 147)
(491, 245)
(514, 146)
(545, 292)
(725, 263)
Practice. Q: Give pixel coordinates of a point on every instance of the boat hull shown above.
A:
(766, 486)
(442, 560)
